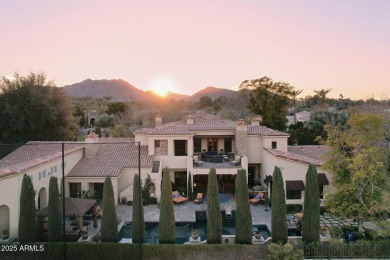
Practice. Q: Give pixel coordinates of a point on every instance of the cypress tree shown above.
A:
(278, 201)
(28, 226)
(189, 187)
(138, 226)
(244, 216)
(109, 229)
(214, 217)
(54, 222)
(167, 216)
(311, 216)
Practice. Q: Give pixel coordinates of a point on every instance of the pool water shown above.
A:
(183, 230)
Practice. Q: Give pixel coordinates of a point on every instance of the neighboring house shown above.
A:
(302, 116)
(229, 145)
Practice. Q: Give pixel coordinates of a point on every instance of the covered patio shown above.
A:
(75, 208)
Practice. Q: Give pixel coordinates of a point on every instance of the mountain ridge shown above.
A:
(121, 90)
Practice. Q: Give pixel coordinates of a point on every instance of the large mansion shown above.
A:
(188, 147)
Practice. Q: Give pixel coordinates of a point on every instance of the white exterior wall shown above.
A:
(281, 142)
(255, 149)
(10, 187)
(292, 171)
(143, 138)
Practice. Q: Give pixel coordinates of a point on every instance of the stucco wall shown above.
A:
(10, 187)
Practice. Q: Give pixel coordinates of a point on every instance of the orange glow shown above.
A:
(162, 87)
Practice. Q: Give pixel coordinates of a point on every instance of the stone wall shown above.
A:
(241, 138)
(162, 150)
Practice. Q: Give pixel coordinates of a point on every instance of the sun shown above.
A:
(162, 87)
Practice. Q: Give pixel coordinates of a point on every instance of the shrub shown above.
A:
(214, 217)
(311, 218)
(278, 222)
(28, 227)
(278, 251)
(294, 208)
(244, 217)
(167, 216)
(109, 225)
(138, 227)
(336, 232)
(54, 217)
(147, 190)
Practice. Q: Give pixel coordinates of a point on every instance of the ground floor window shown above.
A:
(75, 189)
(294, 194)
(181, 178)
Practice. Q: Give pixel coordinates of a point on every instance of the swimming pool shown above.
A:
(183, 230)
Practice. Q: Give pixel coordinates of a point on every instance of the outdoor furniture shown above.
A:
(259, 197)
(236, 161)
(177, 198)
(196, 161)
(212, 157)
(199, 198)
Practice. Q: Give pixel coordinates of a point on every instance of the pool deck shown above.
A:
(185, 212)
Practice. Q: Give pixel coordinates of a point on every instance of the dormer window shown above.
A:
(274, 145)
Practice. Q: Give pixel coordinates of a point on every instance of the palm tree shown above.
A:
(322, 94)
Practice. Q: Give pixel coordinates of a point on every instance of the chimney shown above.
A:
(92, 147)
(190, 120)
(256, 120)
(158, 121)
(241, 138)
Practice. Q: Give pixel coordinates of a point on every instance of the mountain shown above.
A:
(214, 93)
(118, 89)
(121, 90)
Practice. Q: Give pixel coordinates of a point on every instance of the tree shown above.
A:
(119, 131)
(294, 94)
(138, 227)
(357, 161)
(106, 120)
(243, 213)
(28, 227)
(322, 94)
(54, 217)
(167, 216)
(117, 108)
(205, 101)
(109, 229)
(214, 217)
(147, 190)
(79, 115)
(311, 218)
(278, 202)
(33, 108)
(189, 187)
(270, 100)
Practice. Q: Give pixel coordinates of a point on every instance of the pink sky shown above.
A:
(344, 45)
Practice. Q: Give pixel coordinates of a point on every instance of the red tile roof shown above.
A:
(113, 154)
(305, 154)
(110, 159)
(206, 123)
(33, 154)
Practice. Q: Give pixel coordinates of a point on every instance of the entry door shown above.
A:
(212, 144)
(98, 187)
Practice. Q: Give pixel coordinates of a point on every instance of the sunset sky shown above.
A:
(339, 44)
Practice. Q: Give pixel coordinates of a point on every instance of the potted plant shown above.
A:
(124, 200)
(5, 234)
(258, 234)
(195, 234)
(84, 235)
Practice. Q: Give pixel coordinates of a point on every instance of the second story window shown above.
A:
(274, 145)
(156, 143)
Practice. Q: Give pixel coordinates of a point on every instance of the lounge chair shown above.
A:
(177, 198)
(259, 197)
(196, 161)
(199, 198)
(237, 160)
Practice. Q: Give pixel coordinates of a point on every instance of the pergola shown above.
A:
(74, 207)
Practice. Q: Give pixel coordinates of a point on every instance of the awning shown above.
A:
(322, 179)
(295, 185)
